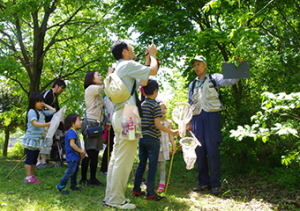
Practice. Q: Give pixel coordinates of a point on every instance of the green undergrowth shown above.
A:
(254, 190)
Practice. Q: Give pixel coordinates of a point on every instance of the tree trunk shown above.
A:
(6, 142)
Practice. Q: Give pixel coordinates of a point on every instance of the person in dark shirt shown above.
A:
(50, 98)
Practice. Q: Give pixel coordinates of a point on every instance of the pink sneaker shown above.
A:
(32, 180)
(161, 188)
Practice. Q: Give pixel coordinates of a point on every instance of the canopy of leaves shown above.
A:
(265, 33)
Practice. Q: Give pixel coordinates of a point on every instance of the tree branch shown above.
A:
(48, 12)
(25, 59)
(2, 7)
(248, 21)
(55, 25)
(297, 5)
(12, 46)
(79, 68)
(28, 24)
(270, 33)
(288, 23)
(19, 84)
(53, 40)
(67, 38)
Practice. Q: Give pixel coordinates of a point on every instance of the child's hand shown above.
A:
(108, 126)
(83, 153)
(48, 124)
(173, 149)
(175, 132)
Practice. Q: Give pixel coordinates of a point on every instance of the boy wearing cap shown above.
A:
(149, 145)
(206, 123)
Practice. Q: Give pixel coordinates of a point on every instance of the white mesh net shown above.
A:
(189, 155)
(182, 114)
(55, 120)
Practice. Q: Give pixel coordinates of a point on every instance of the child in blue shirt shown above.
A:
(149, 145)
(73, 153)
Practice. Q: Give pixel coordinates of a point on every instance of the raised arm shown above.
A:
(223, 82)
(49, 107)
(153, 62)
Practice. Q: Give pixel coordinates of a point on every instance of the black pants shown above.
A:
(104, 159)
(93, 160)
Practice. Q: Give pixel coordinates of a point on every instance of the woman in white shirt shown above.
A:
(95, 116)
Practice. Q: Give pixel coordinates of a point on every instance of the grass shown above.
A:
(240, 192)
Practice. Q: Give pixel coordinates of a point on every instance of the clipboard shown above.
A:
(231, 72)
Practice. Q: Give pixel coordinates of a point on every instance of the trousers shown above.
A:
(207, 129)
(120, 164)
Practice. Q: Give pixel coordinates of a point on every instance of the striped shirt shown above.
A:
(151, 111)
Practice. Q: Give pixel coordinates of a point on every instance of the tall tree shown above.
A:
(51, 39)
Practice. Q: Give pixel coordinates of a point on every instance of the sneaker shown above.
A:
(155, 197)
(126, 206)
(44, 165)
(216, 191)
(38, 165)
(96, 182)
(76, 188)
(63, 189)
(201, 188)
(138, 194)
(126, 201)
(32, 180)
(161, 188)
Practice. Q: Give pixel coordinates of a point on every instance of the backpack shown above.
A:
(115, 89)
(117, 92)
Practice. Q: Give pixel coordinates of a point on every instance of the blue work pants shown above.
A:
(207, 129)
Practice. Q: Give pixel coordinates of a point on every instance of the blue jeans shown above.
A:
(71, 173)
(148, 148)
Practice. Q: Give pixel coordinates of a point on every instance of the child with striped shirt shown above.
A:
(149, 145)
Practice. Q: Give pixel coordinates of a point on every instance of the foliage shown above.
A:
(11, 112)
(44, 41)
(17, 150)
(279, 118)
(181, 94)
(265, 33)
